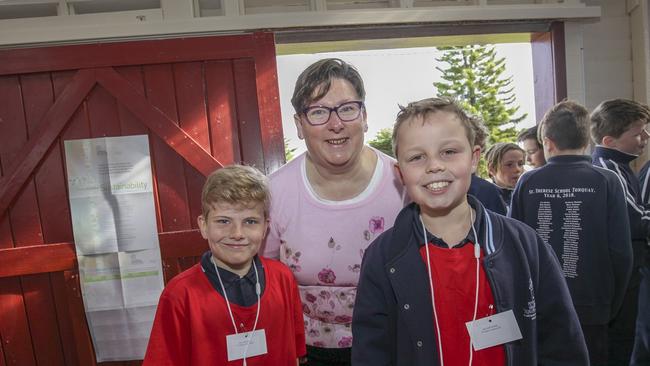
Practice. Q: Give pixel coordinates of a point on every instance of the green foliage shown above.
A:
(288, 151)
(474, 77)
(382, 141)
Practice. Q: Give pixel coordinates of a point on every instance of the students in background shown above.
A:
(449, 261)
(641, 352)
(207, 314)
(618, 128)
(532, 146)
(505, 164)
(580, 210)
(484, 191)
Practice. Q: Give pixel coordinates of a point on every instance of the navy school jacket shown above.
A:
(580, 210)
(488, 193)
(619, 163)
(524, 276)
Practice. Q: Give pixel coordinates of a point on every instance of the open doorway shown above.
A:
(398, 71)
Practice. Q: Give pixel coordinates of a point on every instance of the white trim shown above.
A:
(150, 23)
(628, 196)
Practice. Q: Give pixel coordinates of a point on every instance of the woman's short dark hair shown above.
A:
(315, 81)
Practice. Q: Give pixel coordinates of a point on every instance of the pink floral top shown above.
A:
(323, 242)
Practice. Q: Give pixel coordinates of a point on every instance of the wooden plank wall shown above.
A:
(215, 101)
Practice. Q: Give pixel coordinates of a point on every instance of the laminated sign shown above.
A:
(114, 224)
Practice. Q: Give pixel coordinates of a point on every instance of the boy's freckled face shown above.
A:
(436, 161)
(234, 233)
(510, 169)
(633, 140)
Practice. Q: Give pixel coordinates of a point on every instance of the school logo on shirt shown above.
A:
(531, 311)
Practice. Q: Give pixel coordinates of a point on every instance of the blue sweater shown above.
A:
(488, 194)
(524, 276)
(619, 163)
(580, 210)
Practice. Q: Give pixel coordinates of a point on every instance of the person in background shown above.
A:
(448, 262)
(505, 164)
(641, 351)
(484, 191)
(329, 203)
(618, 128)
(207, 314)
(580, 211)
(532, 146)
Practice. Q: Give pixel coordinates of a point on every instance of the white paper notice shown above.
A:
(141, 277)
(116, 239)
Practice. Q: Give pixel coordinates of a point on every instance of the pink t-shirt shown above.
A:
(323, 242)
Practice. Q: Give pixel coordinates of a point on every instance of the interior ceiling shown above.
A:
(378, 44)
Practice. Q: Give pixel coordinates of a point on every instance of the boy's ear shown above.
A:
(202, 226)
(398, 171)
(549, 146)
(298, 122)
(476, 157)
(608, 141)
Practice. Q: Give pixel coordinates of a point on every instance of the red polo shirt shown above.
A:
(453, 272)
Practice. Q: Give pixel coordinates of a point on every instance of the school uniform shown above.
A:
(393, 314)
(622, 329)
(641, 352)
(580, 210)
(488, 194)
(192, 320)
(506, 196)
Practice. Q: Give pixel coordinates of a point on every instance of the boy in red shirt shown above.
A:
(453, 283)
(234, 307)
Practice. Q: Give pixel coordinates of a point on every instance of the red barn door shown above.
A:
(203, 102)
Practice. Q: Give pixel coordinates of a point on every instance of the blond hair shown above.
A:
(424, 107)
(237, 185)
(495, 154)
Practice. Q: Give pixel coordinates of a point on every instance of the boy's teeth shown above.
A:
(437, 185)
(337, 141)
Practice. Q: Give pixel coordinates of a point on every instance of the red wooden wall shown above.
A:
(204, 102)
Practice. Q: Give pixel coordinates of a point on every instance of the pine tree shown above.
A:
(474, 77)
(288, 151)
(383, 141)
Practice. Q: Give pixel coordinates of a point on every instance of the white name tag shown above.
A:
(493, 330)
(237, 343)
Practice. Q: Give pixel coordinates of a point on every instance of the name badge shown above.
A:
(493, 330)
(238, 344)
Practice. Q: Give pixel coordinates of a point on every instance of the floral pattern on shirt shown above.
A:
(376, 224)
(327, 312)
(327, 307)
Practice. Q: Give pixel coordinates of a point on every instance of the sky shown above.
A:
(399, 76)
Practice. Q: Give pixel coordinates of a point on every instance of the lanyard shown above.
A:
(257, 291)
(477, 256)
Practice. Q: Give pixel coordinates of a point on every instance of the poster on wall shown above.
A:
(116, 239)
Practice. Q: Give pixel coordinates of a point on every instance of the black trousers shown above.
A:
(596, 339)
(317, 356)
(622, 327)
(641, 354)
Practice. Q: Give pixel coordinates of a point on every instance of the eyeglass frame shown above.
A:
(335, 109)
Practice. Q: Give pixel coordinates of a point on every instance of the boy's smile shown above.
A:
(435, 161)
(234, 233)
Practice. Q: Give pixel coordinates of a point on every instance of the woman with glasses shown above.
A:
(329, 203)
